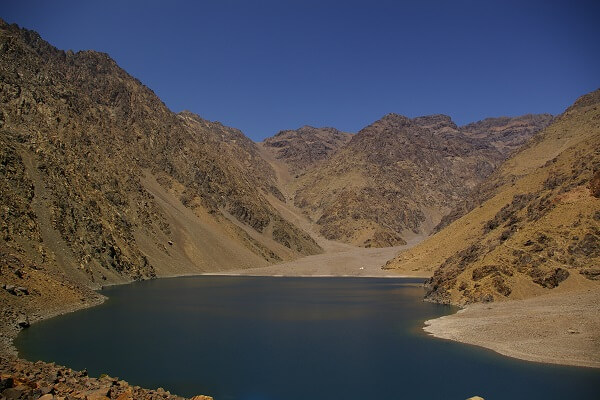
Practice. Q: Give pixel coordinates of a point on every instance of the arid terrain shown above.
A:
(398, 177)
(102, 184)
(303, 148)
(535, 226)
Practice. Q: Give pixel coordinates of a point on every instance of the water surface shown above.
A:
(256, 338)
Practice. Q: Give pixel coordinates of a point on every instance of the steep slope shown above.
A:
(396, 179)
(302, 148)
(102, 183)
(539, 229)
(506, 135)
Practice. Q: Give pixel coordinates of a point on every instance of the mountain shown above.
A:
(302, 148)
(507, 134)
(102, 183)
(398, 177)
(536, 228)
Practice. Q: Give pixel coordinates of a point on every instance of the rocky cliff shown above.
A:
(536, 228)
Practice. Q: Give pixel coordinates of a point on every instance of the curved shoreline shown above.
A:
(559, 328)
(520, 329)
(565, 327)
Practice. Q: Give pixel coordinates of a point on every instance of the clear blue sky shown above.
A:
(263, 66)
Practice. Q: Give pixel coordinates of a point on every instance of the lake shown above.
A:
(270, 338)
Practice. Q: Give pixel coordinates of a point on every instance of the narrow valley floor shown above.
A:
(343, 260)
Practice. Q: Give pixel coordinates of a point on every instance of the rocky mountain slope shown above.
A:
(302, 148)
(537, 229)
(102, 183)
(507, 134)
(399, 176)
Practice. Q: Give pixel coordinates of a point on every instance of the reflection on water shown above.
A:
(287, 338)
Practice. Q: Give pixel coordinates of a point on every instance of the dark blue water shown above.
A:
(253, 338)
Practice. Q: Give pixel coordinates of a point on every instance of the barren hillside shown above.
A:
(537, 230)
(398, 177)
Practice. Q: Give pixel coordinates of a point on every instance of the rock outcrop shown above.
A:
(507, 134)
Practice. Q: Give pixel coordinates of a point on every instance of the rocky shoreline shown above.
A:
(20, 379)
(12, 326)
(23, 379)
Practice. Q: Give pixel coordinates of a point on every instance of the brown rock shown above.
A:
(553, 278)
(591, 273)
(12, 393)
(595, 185)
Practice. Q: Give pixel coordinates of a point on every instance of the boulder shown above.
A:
(125, 396)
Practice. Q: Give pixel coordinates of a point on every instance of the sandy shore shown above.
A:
(343, 260)
(557, 328)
